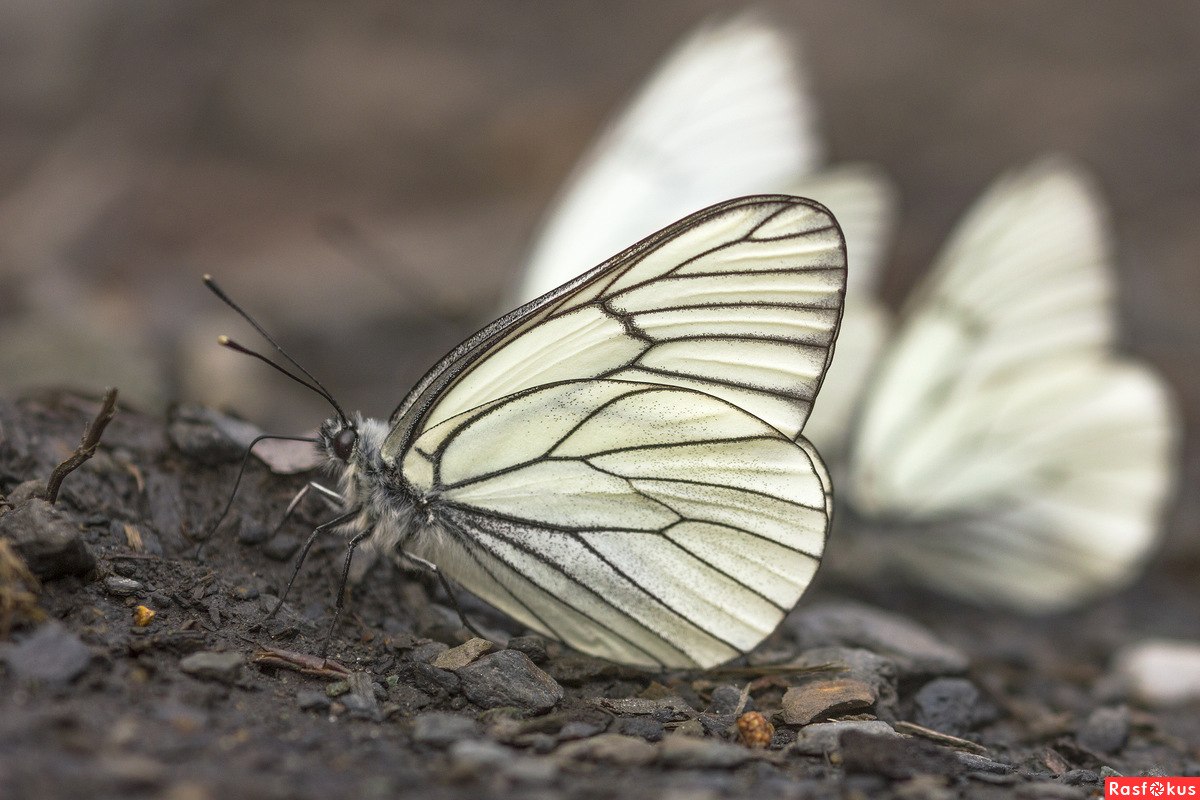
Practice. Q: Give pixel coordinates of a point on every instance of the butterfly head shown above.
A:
(339, 438)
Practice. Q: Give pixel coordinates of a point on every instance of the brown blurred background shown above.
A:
(365, 176)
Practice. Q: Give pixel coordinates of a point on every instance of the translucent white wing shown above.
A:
(741, 301)
(999, 417)
(724, 115)
(864, 203)
(644, 524)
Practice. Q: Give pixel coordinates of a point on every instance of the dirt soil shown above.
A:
(190, 705)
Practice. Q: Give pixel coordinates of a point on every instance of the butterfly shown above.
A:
(619, 464)
(1013, 456)
(1013, 459)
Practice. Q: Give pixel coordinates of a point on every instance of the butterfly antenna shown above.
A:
(225, 341)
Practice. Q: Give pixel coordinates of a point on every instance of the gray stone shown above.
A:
(1106, 730)
(281, 547)
(695, 752)
(531, 771)
(644, 727)
(895, 757)
(978, 763)
(409, 699)
(509, 678)
(427, 678)
(251, 532)
(213, 666)
(441, 729)
(823, 737)
(532, 646)
(122, 587)
(46, 540)
(312, 700)
(472, 757)
(951, 705)
(51, 654)
(914, 649)
(609, 748)
(578, 729)
(427, 652)
(725, 700)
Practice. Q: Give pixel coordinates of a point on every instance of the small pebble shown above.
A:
(251, 532)
(475, 757)
(281, 547)
(143, 616)
(532, 646)
(695, 752)
(644, 727)
(609, 748)
(725, 700)
(426, 653)
(895, 757)
(312, 700)
(458, 657)
(46, 540)
(509, 678)
(1079, 777)
(914, 649)
(824, 737)
(121, 587)
(1105, 731)
(409, 699)
(51, 654)
(578, 729)
(822, 699)
(951, 705)
(213, 666)
(440, 729)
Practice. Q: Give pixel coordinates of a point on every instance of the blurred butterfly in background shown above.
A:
(1010, 452)
(996, 448)
(619, 463)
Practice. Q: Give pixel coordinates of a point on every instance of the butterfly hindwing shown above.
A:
(646, 524)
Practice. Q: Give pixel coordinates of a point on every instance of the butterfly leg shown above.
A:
(341, 593)
(317, 531)
(324, 491)
(430, 567)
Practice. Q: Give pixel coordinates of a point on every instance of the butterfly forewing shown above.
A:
(773, 267)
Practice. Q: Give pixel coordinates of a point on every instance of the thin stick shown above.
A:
(87, 445)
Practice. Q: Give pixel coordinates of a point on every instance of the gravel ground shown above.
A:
(863, 692)
(365, 177)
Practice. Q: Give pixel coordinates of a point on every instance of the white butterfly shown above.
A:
(1019, 463)
(1012, 455)
(619, 464)
(725, 114)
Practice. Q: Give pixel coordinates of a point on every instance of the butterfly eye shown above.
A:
(343, 443)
